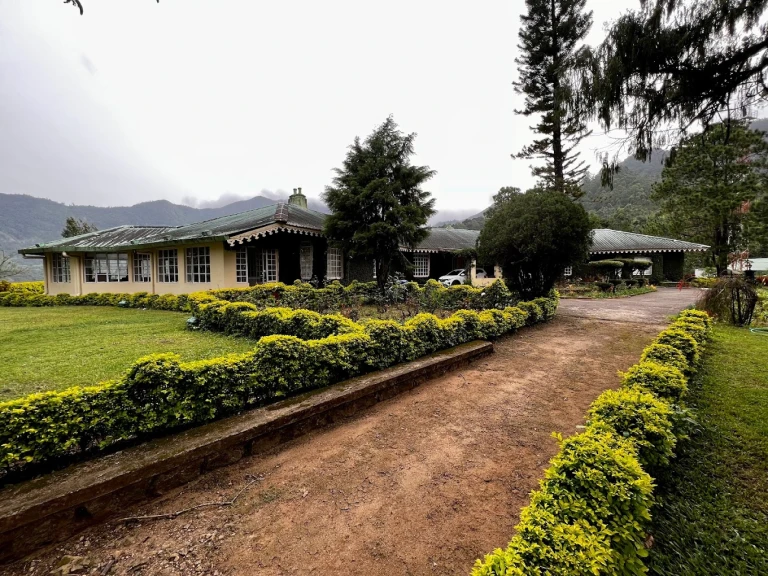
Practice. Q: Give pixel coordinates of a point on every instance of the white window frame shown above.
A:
(142, 267)
(60, 272)
(241, 265)
(334, 264)
(106, 267)
(168, 266)
(198, 265)
(306, 260)
(568, 271)
(421, 264)
(267, 265)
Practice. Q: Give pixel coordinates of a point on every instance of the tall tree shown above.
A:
(549, 36)
(534, 236)
(377, 202)
(715, 187)
(674, 64)
(75, 227)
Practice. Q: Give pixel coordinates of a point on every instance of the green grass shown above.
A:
(713, 517)
(56, 348)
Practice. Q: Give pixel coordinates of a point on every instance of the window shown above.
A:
(142, 268)
(199, 265)
(266, 265)
(334, 265)
(568, 271)
(167, 266)
(421, 265)
(241, 265)
(305, 257)
(106, 268)
(60, 268)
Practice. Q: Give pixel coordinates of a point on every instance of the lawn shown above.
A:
(55, 348)
(713, 517)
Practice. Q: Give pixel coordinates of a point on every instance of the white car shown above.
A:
(459, 276)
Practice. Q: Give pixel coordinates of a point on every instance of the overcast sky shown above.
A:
(190, 100)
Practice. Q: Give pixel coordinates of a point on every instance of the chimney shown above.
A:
(297, 198)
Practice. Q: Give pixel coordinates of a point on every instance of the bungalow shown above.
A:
(665, 254)
(281, 242)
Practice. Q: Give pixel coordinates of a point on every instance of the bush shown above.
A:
(684, 342)
(695, 327)
(666, 382)
(700, 314)
(534, 313)
(666, 355)
(588, 517)
(604, 286)
(731, 300)
(641, 417)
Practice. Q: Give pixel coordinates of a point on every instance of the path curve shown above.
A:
(421, 484)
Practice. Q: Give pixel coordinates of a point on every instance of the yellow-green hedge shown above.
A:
(37, 287)
(432, 296)
(590, 514)
(160, 393)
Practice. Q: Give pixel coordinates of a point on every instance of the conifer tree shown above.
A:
(377, 202)
(549, 36)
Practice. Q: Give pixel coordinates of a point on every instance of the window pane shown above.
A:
(199, 265)
(334, 264)
(142, 268)
(59, 268)
(421, 265)
(167, 266)
(241, 265)
(306, 261)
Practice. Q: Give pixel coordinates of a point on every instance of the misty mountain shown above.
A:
(27, 220)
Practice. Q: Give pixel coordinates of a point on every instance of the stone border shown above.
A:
(53, 507)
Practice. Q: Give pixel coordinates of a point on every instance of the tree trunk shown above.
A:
(557, 140)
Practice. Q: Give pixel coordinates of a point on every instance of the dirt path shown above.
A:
(421, 484)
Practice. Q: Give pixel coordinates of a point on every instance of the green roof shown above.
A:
(135, 237)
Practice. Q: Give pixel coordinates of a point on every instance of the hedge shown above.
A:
(159, 393)
(37, 287)
(591, 512)
(432, 296)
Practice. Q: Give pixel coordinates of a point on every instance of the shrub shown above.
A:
(604, 286)
(588, 516)
(533, 311)
(731, 299)
(666, 355)
(700, 314)
(641, 417)
(695, 327)
(684, 342)
(667, 382)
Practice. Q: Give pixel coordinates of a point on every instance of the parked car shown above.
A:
(459, 276)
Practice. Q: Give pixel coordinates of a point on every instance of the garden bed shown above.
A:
(594, 294)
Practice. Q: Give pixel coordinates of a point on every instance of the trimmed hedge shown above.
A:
(590, 515)
(37, 287)
(173, 302)
(432, 296)
(159, 393)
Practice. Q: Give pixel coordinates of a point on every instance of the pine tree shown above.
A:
(549, 35)
(376, 200)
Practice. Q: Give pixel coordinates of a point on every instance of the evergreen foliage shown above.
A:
(711, 183)
(75, 227)
(549, 35)
(534, 236)
(675, 63)
(377, 201)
